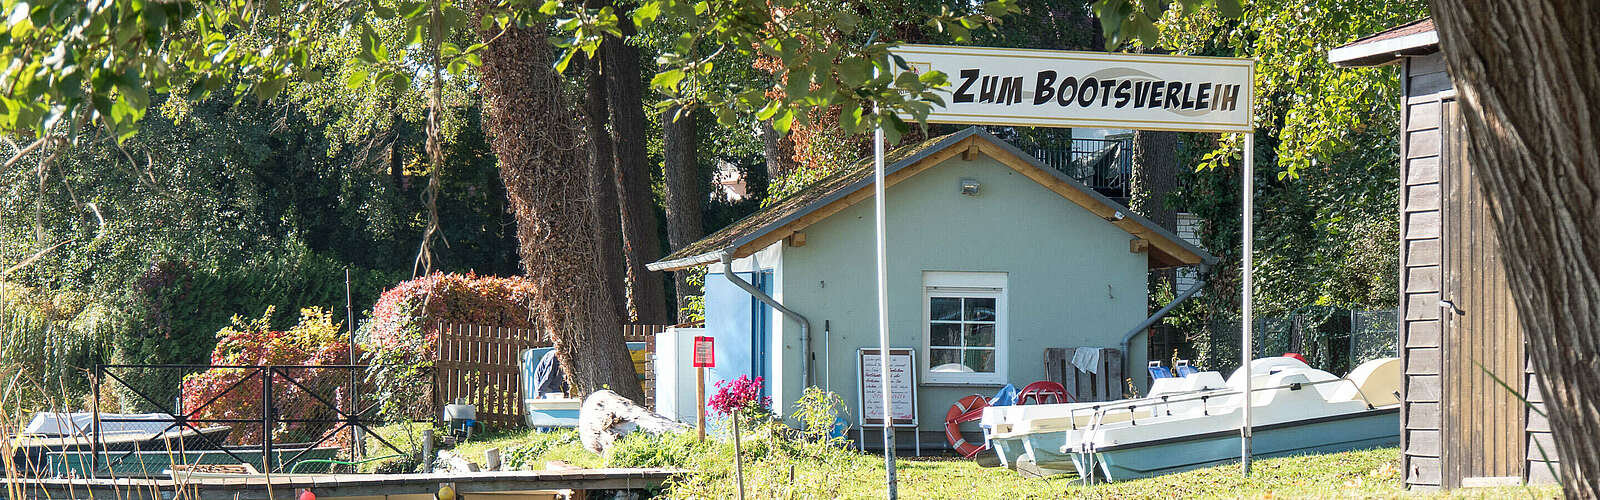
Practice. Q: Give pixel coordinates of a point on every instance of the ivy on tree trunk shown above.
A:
(1527, 76)
(540, 147)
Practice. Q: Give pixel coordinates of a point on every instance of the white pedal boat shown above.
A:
(1190, 424)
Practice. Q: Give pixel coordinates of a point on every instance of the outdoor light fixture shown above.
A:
(1116, 216)
(969, 187)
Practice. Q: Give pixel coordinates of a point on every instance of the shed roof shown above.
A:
(852, 184)
(1410, 39)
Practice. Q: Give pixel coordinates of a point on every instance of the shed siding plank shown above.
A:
(1422, 279)
(1540, 472)
(1422, 197)
(1422, 65)
(1422, 170)
(1537, 422)
(1422, 116)
(1422, 225)
(1422, 252)
(1422, 333)
(1544, 439)
(1422, 388)
(1422, 143)
(1424, 361)
(1422, 416)
(1422, 443)
(1428, 83)
(1424, 471)
(1422, 305)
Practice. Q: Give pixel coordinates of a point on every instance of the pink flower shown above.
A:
(738, 394)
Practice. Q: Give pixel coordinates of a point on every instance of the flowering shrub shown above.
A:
(315, 340)
(741, 395)
(403, 332)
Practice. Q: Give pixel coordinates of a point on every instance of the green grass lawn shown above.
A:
(776, 466)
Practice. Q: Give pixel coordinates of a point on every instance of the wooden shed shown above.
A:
(1458, 324)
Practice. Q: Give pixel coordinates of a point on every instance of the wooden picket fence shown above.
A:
(481, 365)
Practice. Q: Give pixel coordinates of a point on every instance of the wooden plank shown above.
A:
(1425, 361)
(1113, 373)
(1422, 306)
(1423, 333)
(1421, 225)
(1422, 416)
(1422, 116)
(1422, 388)
(1428, 83)
(1422, 252)
(1424, 471)
(1537, 422)
(1422, 442)
(1422, 143)
(1422, 170)
(1545, 440)
(1422, 279)
(1422, 197)
(1542, 472)
(1422, 65)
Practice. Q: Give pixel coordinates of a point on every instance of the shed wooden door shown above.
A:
(1483, 421)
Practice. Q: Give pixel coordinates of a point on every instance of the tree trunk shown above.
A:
(1528, 79)
(603, 187)
(1154, 176)
(641, 237)
(541, 154)
(779, 151)
(684, 196)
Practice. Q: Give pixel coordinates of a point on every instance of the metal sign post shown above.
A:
(883, 309)
(1247, 301)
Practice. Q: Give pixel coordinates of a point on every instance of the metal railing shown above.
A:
(323, 410)
(1106, 165)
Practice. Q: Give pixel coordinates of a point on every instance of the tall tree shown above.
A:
(603, 187)
(641, 236)
(685, 200)
(1154, 176)
(1528, 77)
(542, 157)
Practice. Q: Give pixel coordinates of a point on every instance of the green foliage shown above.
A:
(51, 340)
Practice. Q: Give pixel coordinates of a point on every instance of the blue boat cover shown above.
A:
(1006, 397)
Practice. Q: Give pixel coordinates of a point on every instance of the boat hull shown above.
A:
(1368, 429)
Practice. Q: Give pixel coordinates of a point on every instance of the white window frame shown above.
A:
(966, 284)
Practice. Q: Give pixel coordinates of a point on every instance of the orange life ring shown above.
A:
(966, 409)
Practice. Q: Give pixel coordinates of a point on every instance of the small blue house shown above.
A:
(993, 257)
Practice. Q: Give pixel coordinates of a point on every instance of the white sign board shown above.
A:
(902, 386)
(1055, 88)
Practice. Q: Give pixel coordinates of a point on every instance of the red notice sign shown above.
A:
(704, 354)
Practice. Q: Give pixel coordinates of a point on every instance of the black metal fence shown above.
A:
(1330, 338)
(276, 418)
(1106, 165)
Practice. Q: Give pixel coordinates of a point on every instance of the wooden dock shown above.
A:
(501, 485)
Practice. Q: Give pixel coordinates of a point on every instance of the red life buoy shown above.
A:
(966, 409)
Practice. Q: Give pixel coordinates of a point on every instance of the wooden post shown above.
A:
(700, 402)
(738, 455)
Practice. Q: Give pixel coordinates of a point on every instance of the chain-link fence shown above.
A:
(1330, 338)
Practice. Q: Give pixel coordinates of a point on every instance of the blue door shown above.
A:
(742, 326)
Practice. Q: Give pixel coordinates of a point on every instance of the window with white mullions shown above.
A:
(964, 327)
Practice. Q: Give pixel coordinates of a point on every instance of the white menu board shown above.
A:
(902, 386)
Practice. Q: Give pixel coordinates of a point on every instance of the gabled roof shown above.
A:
(1410, 39)
(853, 184)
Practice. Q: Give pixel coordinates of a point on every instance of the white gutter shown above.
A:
(805, 324)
